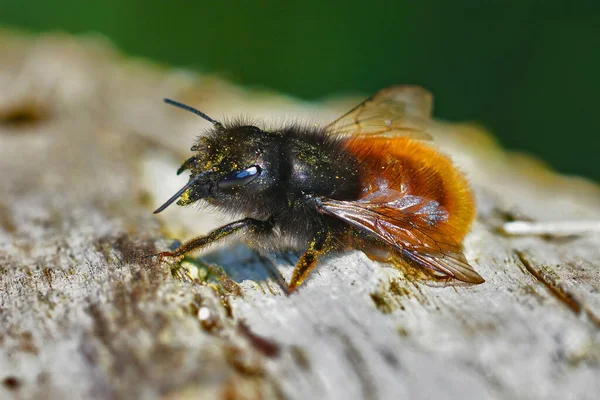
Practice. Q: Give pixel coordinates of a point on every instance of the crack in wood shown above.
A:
(565, 297)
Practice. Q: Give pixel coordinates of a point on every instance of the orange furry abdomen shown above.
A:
(414, 168)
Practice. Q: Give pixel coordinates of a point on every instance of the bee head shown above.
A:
(230, 163)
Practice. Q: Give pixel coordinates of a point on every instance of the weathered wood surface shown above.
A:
(87, 149)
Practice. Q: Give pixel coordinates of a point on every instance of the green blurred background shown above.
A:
(528, 70)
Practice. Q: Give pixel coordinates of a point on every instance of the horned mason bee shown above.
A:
(366, 181)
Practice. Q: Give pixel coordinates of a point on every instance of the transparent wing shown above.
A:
(410, 224)
(394, 111)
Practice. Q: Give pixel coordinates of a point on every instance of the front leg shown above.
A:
(320, 244)
(249, 224)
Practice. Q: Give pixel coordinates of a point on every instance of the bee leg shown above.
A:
(250, 224)
(319, 245)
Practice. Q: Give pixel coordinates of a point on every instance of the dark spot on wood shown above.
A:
(390, 358)
(384, 302)
(381, 302)
(398, 290)
(402, 331)
(506, 216)
(194, 308)
(242, 363)
(23, 115)
(26, 344)
(265, 346)
(227, 306)
(144, 199)
(300, 357)
(48, 275)
(513, 215)
(12, 383)
(6, 220)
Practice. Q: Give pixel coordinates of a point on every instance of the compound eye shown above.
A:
(239, 178)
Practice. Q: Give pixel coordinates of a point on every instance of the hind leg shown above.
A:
(320, 245)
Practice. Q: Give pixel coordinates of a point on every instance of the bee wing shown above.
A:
(394, 111)
(409, 224)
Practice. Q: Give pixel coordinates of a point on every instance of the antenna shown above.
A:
(177, 195)
(216, 123)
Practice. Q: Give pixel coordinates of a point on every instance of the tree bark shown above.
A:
(88, 150)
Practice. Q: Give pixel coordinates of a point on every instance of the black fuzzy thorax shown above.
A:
(298, 163)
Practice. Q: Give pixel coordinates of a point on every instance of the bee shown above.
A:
(366, 181)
